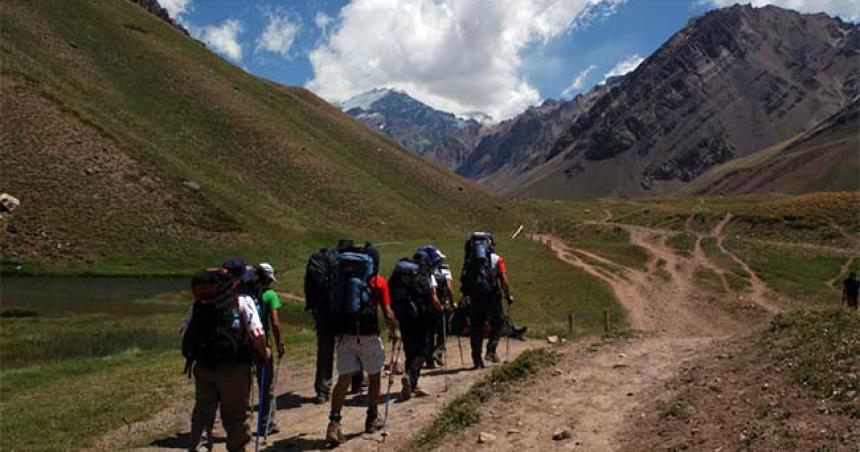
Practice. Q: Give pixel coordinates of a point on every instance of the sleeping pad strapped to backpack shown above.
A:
(215, 333)
(477, 276)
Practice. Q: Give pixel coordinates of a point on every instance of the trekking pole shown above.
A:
(394, 356)
(274, 401)
(508, 335)
(445, 348)
(261, 390)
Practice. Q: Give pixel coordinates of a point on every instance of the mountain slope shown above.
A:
(827, 158)
(522, 143)
(437, 135)
(134, 148)
(732, 82)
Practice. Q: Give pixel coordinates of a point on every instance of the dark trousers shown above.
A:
(325, 356)
(227, 386)
(484, 308)
(326, 341)
(435, 336)
(415, 335)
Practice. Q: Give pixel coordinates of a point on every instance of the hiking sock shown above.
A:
(335, 416)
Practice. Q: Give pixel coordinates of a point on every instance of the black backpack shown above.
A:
(409, 290)
(318, 275)
(477, 276)
(215, 333)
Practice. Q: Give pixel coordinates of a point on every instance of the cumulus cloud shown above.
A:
(578, 82)
(624, 66)
(846, 9)
(223, 38)
(456, 55)
(279, 35)
(175, 7)
(323, 21)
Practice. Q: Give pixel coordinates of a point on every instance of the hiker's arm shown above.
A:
(259, 343)
(276, 331)
(435, 300)
(391, 322)
(504, 280)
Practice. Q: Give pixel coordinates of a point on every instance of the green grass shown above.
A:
(798, 273)
(683, 243)
(611, 242)
(465, 410)
(136, 114)
(708, 280)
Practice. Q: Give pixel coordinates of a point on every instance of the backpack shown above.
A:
(215, 332)
(318, 275)
(408, 290)
(433, 254)
(477, 276)
(349, 287)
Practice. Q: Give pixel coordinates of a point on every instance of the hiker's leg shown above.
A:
(234, 388)
(357, 381)
(411, 348)
(325, 357)
(338, 396)
(205, 403)
(269, 392)
(477, 318)
(374, 386)
(423, 347)
(496, 323)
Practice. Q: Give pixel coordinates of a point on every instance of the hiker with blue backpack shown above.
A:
(414, 299)
(483, 282)
(222, 337)
(356, 290)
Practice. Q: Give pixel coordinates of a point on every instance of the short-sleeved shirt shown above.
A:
(366, 321)
(269, 302)
(379, 293)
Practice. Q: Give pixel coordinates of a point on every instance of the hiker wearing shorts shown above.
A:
(318, 304)
(224, 381)
(360, 349)
(850, 289)
(269, 307)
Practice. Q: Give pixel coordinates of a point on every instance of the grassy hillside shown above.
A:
(825, 158)
(135, 149)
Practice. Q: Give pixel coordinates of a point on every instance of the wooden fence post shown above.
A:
(607, 327)
(570, 325)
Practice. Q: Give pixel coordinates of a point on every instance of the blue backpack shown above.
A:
(349, 286)
(477, 275)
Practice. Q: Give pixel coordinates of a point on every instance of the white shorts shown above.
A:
(357, 353)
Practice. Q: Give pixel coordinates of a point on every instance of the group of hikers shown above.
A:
(233, 324)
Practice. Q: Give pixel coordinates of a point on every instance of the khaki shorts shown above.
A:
(357, 353)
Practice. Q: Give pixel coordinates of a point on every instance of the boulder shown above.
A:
(560, 433)
(552, 339)
(8, 203)
(485, 437)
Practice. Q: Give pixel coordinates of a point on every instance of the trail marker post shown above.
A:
(570, 325)
(607, 326)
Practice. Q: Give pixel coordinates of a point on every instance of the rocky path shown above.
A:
(595, 391)
(303, 423)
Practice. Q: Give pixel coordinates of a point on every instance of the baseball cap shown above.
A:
(235, 266)
(268, 270)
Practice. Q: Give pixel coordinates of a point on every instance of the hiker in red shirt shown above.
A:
(363, 352)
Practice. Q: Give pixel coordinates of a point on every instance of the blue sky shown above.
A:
(494, 56)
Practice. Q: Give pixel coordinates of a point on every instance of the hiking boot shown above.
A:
(321, 398)
(438, 357)
(418, 392)
(429, 364)
(333, 435)
(492, 357)
(372, 423)
(478, 364)
(406, 391)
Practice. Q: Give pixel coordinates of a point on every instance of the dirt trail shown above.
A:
(303, 423)
(594, 392)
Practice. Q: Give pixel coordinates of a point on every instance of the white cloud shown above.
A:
(846, 9)
(223, 38)
(175, 7)
(578, 82)
(624, 66)
(322, 21)
(278, 36)
(456, 55)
